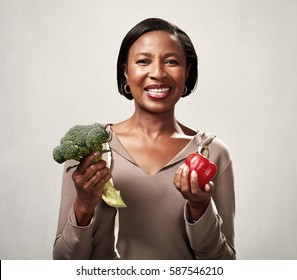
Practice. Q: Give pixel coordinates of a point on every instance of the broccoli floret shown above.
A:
(67, 150)
(57, 154)
(80, 141)
(92, 142)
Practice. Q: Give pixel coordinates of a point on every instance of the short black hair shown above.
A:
(157, 24)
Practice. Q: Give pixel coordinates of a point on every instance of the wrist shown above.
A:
(83, 213)
(196, 210)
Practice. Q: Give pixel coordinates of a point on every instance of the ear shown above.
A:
(125, 70)
(188, 71)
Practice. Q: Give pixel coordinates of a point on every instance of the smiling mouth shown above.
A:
(158, 93)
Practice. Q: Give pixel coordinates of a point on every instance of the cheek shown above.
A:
(180, 77)
(135, 74)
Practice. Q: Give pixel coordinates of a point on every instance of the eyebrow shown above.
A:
(149, 54)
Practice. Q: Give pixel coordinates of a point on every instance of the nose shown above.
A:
(157, 71)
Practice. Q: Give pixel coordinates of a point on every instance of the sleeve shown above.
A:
(212, 236)
(71, 242)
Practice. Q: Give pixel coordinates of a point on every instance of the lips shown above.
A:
(157, 91)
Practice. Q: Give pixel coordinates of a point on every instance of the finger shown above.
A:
(98, 177)
(177, 177)
(87, 161)
(82, 180)
(92, 169)
(209, 187)
(100, 184)
(195, 189)
(184, 180)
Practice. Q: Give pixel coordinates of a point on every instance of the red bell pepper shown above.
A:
(205, 169)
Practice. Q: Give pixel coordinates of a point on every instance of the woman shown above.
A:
(168, 215)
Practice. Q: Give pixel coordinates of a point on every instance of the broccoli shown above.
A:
(80, 141)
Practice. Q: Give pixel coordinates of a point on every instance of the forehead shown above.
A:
(157, 41)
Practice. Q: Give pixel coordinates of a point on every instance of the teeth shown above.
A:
(158, 90)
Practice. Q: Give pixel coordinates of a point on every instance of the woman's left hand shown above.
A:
(187, 184)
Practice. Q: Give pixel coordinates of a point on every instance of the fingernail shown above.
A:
(180, 169)
(95, 154)
(185, 168)
(194, 174)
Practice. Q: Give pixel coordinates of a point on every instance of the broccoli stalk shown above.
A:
(80, 141)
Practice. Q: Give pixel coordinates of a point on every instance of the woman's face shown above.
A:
(156, 71)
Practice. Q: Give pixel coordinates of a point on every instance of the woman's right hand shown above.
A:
(89, 179)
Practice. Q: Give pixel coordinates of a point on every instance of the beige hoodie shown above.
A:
(155, 223)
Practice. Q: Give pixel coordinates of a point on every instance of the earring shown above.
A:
(185, 91)
(127, 89)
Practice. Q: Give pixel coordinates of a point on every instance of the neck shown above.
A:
(154, 125)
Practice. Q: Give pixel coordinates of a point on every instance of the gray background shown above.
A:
(57, 69)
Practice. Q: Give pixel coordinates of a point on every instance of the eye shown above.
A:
(171, 62)
(143, 61)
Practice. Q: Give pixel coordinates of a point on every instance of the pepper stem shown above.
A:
(202, 150)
